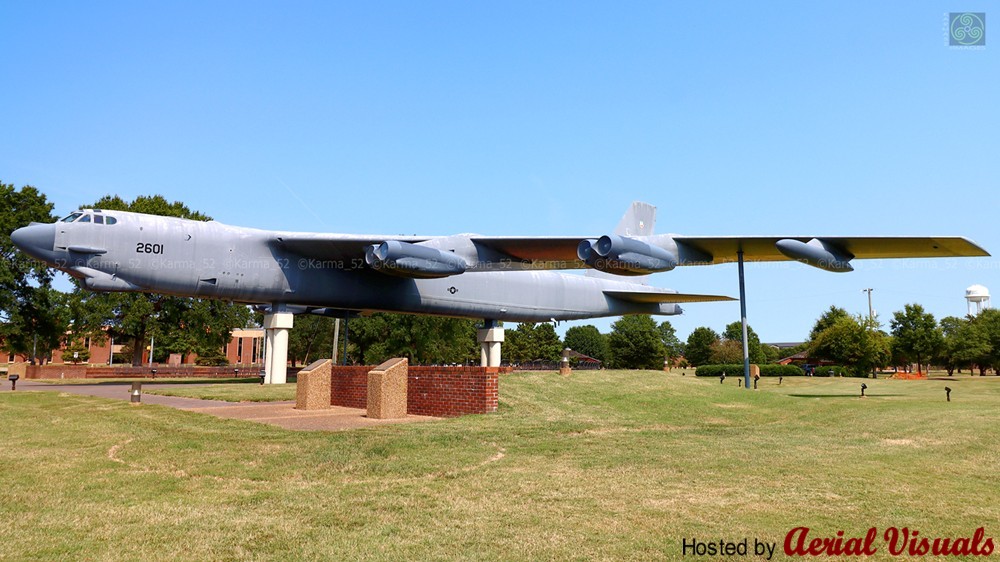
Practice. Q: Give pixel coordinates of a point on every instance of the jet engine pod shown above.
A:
(412, 260)
(625, 256)
(816, 253)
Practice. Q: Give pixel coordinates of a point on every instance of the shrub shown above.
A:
(212, 361)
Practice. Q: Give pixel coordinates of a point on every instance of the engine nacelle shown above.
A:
(816, 253)
(625, 256)
(412, 260)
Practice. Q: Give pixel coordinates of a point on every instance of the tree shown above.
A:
(987, 329)
(530, 342)
(671, 343)
(76, 352)
(698, 350)
(947, 355)
(311, 337)
(853, 342)
(29, 307)
(38, 324)
(587, 340)
(727, 352)
(916, 333)
(827, 320)
(734, 332)
(636, 343)
(424, 340)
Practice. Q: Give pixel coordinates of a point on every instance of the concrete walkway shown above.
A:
(282, 414)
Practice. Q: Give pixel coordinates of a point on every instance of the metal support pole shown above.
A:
(336, 339)
(347, 336)
(743, 319)
(871, 311)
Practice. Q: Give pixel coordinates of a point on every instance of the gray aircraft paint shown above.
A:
(504, 280)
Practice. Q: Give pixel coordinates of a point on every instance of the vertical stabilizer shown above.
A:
(638, 220)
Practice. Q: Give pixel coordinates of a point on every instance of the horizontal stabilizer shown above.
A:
(652, 297)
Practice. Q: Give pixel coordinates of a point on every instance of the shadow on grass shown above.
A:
(879, 395)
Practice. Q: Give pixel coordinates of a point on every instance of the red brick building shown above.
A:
(245, 347)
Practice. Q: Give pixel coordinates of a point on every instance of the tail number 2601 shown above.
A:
(147, 248)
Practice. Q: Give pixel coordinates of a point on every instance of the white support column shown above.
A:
(489, 341)
(277, 325)
(268, 349)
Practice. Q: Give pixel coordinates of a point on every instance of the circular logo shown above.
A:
(967, 29)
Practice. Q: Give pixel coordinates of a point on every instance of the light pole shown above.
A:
(871, 311)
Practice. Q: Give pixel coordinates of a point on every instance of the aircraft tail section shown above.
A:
(638, 220)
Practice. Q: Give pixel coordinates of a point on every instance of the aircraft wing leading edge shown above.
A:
(723, 249)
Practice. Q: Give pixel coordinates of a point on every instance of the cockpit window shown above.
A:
(72, 217)
(98, 219)
(86, 218)
(110, 220)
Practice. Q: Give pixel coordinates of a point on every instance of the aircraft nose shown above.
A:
(36, 240)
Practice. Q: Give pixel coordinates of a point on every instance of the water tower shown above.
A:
(979, 299)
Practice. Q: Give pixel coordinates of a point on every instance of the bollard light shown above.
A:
(154, 373)
(947, 393)
(780, 379)
(13, 380)
(755, 377)
(263, 375)
(136, 392)
(722, 378)
(863, 387)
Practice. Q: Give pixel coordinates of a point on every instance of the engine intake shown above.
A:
(412, 260)
(625, 256)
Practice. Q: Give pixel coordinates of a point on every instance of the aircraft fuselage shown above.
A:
(212, 260)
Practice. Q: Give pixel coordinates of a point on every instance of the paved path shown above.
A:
(282, 414)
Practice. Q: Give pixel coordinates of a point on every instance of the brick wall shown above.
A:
(431, 391)
(83, 371)
(349, 386)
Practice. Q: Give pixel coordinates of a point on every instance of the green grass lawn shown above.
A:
(232, 392)
(599, 465)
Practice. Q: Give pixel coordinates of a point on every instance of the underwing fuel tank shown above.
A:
(412, 260)
(816, 253)
(625, 256)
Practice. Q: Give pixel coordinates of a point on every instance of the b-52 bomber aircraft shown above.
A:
(494, 278)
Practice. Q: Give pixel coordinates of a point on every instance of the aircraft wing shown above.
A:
(438, 256)
(723, 249)
(665, 297)
(345, 247)
(541, 252)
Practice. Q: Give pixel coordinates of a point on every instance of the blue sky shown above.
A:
(529, 118)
